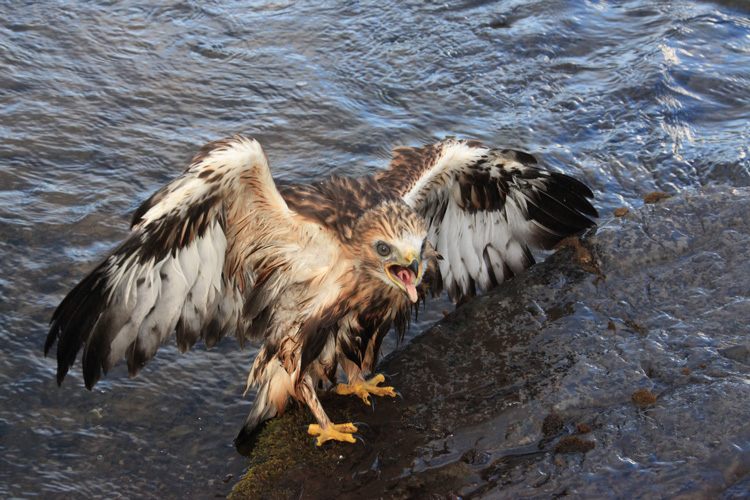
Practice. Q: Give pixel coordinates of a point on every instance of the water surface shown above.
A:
(102, 104)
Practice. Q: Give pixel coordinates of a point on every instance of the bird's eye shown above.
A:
(383, 248)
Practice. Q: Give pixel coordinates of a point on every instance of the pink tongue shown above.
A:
(411, 291)
(406, 276)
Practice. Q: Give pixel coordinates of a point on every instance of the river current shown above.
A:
(102, 103)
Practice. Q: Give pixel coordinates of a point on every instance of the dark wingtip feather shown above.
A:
(92, 371)
(90, 383)
(522, 157)
(61, 372)
(580, 191)
(51, 337)
(137, 359)
(561, 208)
(74, 319)
(186, 338)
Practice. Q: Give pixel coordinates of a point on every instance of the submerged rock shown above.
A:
(656, 303)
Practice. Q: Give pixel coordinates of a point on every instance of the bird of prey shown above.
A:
(320, 272)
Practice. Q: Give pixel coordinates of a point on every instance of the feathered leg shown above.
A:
(325, 430)
(358, 386)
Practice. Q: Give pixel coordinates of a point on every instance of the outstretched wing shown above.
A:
(485, 207)
(184, 267)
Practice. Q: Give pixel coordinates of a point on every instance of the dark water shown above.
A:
(102, 104)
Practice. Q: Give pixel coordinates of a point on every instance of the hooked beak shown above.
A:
(406, 275)
(414, 266)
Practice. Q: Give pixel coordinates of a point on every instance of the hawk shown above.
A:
(319, 272)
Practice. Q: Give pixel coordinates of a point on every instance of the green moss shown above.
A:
(283, 456)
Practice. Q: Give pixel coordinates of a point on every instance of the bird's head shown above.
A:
(393, 247)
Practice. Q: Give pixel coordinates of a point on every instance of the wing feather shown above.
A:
(485, 207)
(171, 272)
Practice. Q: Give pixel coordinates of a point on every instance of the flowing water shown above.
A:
(102, 104)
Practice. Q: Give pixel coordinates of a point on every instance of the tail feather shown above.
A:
(275, 386)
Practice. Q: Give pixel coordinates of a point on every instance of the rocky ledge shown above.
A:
(619, 367)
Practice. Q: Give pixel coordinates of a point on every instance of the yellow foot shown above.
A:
(363, 389)
(335, 432)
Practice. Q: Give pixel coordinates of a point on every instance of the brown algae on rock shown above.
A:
(583, 428)
(656, 197)
(574, 444)
(621, 212)
(552, 424)
(636, 327)
(643, 398)
(582, 255)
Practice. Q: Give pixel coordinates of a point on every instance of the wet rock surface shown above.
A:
(618, 367)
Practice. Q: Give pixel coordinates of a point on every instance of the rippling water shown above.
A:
(100, 105)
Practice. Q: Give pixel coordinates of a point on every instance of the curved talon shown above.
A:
(333, 432)
(360, 425)
(363, 389)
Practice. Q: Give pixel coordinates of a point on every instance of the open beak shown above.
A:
(407, 276)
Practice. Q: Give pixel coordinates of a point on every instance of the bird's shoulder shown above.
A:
(336, 203)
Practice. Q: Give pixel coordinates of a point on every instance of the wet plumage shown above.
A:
(319, 272)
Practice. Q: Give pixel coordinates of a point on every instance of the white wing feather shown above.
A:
(485, 207)
(170, 272)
